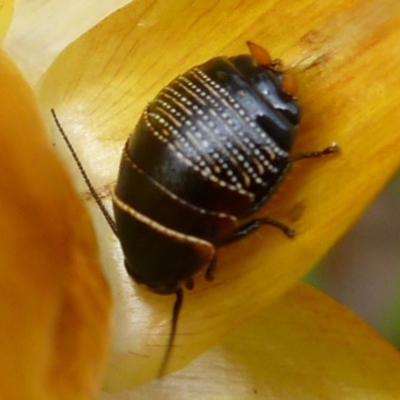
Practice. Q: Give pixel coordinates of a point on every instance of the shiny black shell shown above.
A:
(206, 153)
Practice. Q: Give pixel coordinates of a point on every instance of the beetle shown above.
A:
(206, 154)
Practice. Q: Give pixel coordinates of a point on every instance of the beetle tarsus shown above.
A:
(334, 148)
(252, 226)
(287, 230)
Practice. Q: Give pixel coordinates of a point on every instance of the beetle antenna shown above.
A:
(174, 322)
(92, 190)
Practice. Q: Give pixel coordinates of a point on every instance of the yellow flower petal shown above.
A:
(304, 346)
(40, 30)
(6, 12)
(55, 303)
(343, 56)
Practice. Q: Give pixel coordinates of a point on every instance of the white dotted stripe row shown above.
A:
(270, 149)
(200, 149)
(220, 139)
(270, 146)
(213, 160)
(206, 173)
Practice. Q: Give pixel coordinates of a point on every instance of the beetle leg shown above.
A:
(211, 269)
(174, 323)
(334, 148)
(189, 284)
(253, 225)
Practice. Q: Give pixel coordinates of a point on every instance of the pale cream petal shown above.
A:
(304, 346)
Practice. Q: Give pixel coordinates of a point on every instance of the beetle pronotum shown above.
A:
(208, 151)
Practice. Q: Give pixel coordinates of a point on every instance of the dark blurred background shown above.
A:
(363, 270)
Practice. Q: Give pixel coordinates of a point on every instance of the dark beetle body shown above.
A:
(207, 152)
